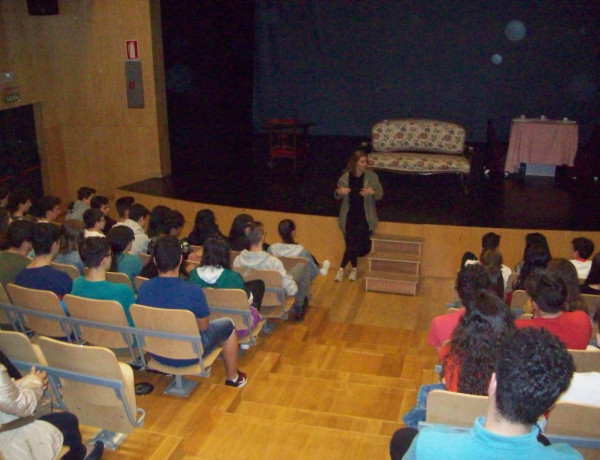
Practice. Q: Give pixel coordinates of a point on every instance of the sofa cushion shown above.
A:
(416, 135)
(419, 162)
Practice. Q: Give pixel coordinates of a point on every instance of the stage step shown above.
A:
(396, 243)
(395, 283)
(394, 262)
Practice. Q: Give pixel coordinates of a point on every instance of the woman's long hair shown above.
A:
(286, 229)
(71, 234)
(537, 256)
(205, 225)
(118, 238)
(356, 155)
(216, 252)
(157, 220)
(568, 273)
(476, 340)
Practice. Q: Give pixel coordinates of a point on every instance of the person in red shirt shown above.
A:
(470, 279)
(548, 294)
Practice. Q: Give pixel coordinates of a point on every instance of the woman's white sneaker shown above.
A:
(353, 274)
(325, 267)
(339, 276)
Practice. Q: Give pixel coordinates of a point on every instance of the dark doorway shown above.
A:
(209, 60)
(19, 157)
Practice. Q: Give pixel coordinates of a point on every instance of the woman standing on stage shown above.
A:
(359, 189)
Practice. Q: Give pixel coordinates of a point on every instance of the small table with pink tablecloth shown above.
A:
(540, 141)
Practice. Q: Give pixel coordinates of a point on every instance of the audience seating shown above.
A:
(275, 304)
(42, 301)
(450, 408)
(519, 299)
(574, 419)
(145, 258)
(106, 312)
(138, 281)
(4, 319)
(290, 262)
(118, 277)
(510, 280)
(18, 348)
(181, 322)
(95, 387)
(233, 303)
(69, 269)
(586, 360)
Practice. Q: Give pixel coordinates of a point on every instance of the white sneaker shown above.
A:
(325, 268)
(339, 276)
(353, 274)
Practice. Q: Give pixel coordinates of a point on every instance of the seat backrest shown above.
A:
(457, 409)
(586, 360)
(39, 300)
(17, 347)
(145, 258)
(274, 292)
(519, 299)
(138, 281)
(118, 277)
(511, 279)
(93, 404)
(290, 262)
(4, 299)
(69, 269)
(170, 321)
(592, 301)
(574, 419)
(232, 299)
(101, 311)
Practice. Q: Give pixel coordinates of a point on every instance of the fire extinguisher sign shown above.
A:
(132, 50)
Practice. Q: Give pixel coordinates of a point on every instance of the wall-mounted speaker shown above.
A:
(42, 7)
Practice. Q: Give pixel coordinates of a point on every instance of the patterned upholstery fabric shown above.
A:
(419, 146)
(419, 162)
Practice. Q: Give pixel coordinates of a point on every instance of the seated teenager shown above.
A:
(548, 294)
(256, 257)
(533, 239)
(289, 248)
(19, 203)
(583, 248)
(493, 258)
(101, 202)
(120, 240)
(14, 259)
(468, 360)
(123, 205)
(78, 207)
(96, 255)
(489, 241)
(136, 221)
(592, 282)
(169, 291)
(469, 280)
(94, 222)
(214, 272)
(71, 233)
(205, 225)
(567, 272)
(537, 256)
(39, 274)
(48, 208)
(533, 368)
(41, 438)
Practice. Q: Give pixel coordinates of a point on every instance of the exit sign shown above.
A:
(11, 94)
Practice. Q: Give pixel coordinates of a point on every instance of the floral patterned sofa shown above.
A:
(419, 146)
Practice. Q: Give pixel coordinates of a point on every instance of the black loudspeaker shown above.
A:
(42, 7)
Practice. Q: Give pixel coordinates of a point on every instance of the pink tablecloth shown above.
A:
(545, 142)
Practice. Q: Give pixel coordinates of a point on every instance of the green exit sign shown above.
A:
(11, 95)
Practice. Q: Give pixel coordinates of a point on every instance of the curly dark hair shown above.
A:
(476, 340)
(469, 280)
(532, 370)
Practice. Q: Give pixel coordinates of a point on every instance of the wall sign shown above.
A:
(11, 94)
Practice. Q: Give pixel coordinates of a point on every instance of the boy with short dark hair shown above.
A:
(15, 259)
(78, 207)
(94, 221)
(583, 248)
(39, 274)
(48, 208)
(137, 221)
(101, 202)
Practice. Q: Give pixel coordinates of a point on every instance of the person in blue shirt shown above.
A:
(532, 370)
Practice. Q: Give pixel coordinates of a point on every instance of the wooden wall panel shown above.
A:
(443, 246)
(72, 66)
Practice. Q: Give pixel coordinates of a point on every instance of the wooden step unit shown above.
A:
(394, 264)
(395, 283)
